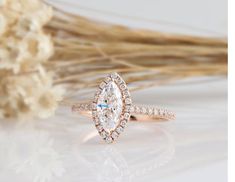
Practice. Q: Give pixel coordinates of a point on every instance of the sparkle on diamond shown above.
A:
(109, 106)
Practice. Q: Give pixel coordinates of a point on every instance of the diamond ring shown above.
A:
(112, 108)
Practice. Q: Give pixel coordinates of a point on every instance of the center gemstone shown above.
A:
(109, 106)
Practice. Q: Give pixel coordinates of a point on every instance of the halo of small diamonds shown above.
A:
(100, 112)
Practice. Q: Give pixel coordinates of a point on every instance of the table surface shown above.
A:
(66, 147)
(192, 148)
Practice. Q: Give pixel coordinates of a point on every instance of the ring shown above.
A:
(112, 108)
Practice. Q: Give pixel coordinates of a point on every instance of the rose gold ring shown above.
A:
(112, 108)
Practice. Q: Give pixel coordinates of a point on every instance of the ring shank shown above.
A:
(138, 112)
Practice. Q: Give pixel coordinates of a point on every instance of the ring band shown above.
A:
(138, 112)
(112, 108)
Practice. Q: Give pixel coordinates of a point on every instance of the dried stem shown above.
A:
(85, 50)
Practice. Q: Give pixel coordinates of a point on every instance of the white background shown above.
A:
(192, 148)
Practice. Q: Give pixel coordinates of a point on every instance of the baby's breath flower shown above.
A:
(3, 24)
(29, 95)
(39, 45)
(26, 88)
(33, 21)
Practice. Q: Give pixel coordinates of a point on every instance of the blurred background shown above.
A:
(66, 146)
(208, 18)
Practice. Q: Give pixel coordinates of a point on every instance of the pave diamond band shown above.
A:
(138, 112)
(112, 108)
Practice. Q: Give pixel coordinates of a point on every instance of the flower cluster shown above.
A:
(26, 87)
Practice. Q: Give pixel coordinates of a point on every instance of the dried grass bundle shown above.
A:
(86, 49)
(83, 51)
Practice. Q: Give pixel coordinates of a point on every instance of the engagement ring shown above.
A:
(112, 108)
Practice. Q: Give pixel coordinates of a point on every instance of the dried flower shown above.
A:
(32, 21)
(28, 95)
(86, 48)
(2, 24)
(26, 88)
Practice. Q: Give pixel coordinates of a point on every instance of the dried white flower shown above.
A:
(26, 88)
(39, 46)
(22, 6)
(28, 95)
(33, 21)
(3, 24)
(12, 54)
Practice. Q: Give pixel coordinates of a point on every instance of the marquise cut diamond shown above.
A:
(109, 106)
